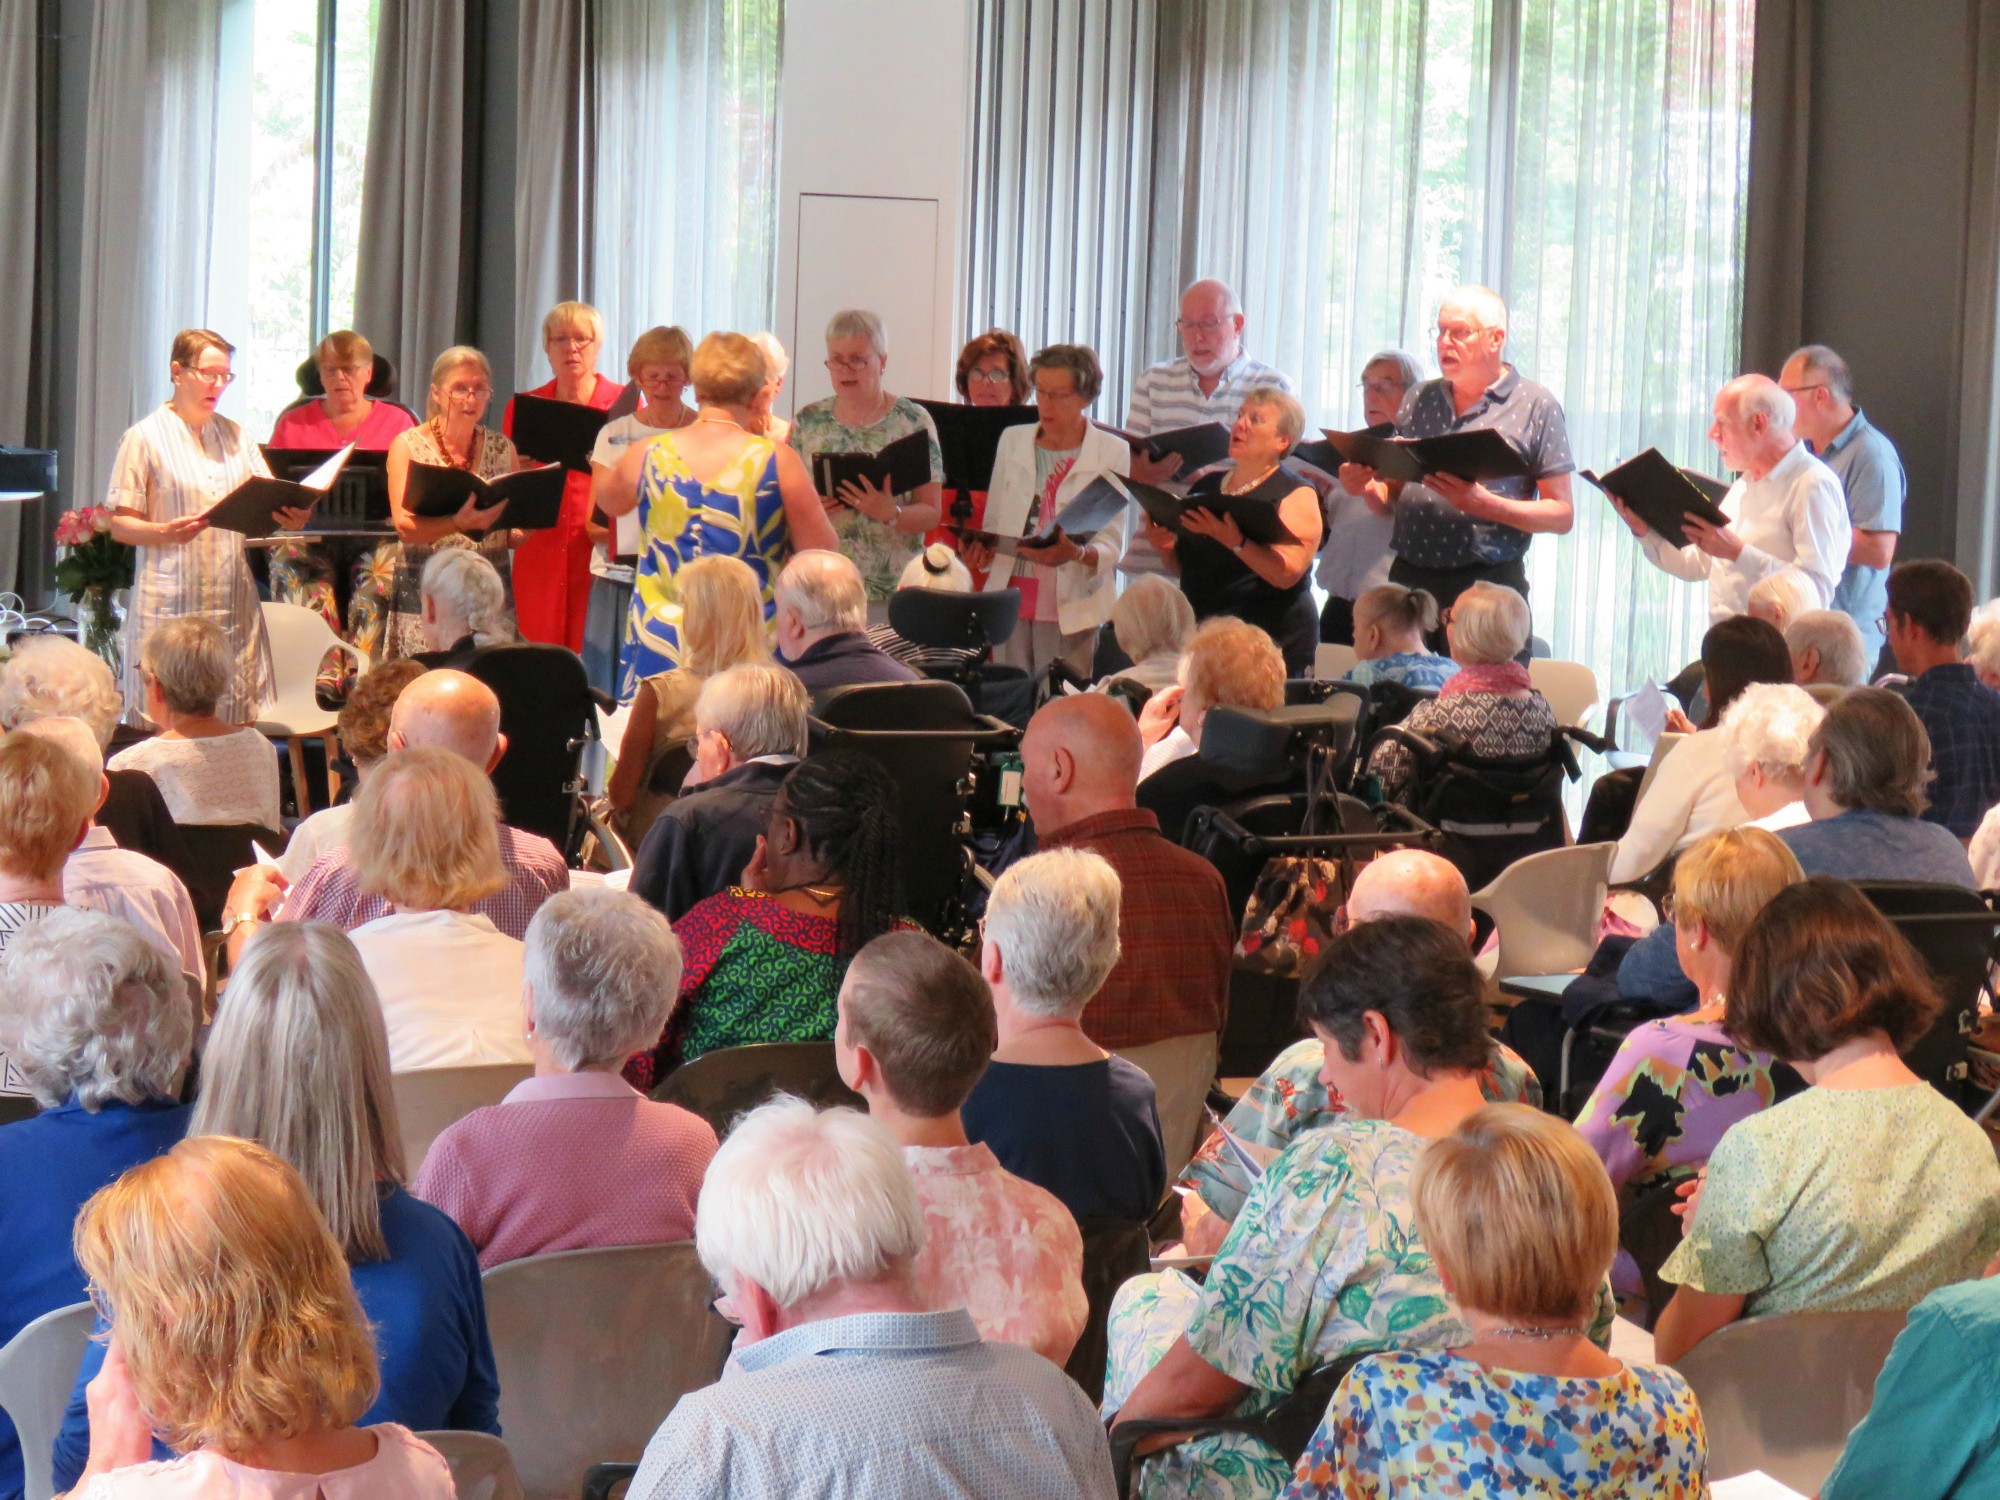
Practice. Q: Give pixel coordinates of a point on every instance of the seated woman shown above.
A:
(1693, 792)
(298, 1062)
(1870, 1189)
(97, 1024)
(1781, 597)
(425, 836)
(1152, 623)
(1227, 664)
(722, 624)
(239, 1340)
(464, 604)
(1390, 623)
(938, 569)
(47, 796)
(364, 735)
(1677, 1084)
(1488, 705)
(1325, 1259)
(1522, 1224)
(764, 960)
(208, 771)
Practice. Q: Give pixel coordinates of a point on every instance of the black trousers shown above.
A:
(1446, 584)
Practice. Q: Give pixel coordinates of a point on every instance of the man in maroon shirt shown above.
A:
(1163, 1005)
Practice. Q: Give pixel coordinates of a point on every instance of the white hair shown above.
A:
(1787, 593)
(73, 735)
(761, 707)
(1768, 726)
(1230, 306)
(1759, 396)
(1054, 918)
(1152, 617)
(49, 675)
(777, 363)
(603, 968)
(858, 323)
(468, 588)
(1982, 639)
(824, 590)
(1482, 302)
(1407, 369)
(936, 567)
(1489, 624)
(1843, 655)
(801, 1202)
(90, 1007)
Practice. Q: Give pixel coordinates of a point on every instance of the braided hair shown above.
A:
(845, 808)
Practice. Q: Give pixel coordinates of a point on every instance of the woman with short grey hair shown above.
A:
(1766, 742)
(1152, 622)
(575, 1157)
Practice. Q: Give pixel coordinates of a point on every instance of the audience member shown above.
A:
(46, 799)
(1785, 508)
(1390, 624)
(938, 570)
(1227, 664)
(1354, 557)
(750, 730)
(1868, 763)
(1781, 597)
(464, 607)
(1827, 650)
(1982, 647)
(575, 1157)
(1161, 1006)
(424, 840)
(1870, 1189)
(1518, 1216)
(916, 1030)
(209, 771)
(96, 1023)
(1152, 623)
(1488, 704)
(843, 1382)
(239, 1339)
(1871, 478)
(298, 1062)
(364, 734)
(822, 625)
(1693, 792)
(1930, 607)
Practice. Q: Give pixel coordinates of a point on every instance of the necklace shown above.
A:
(451, 458)
(819, 893)
(1539, 1333)
(714, 421)
(1240, 489)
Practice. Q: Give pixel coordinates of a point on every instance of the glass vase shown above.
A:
(101, 625)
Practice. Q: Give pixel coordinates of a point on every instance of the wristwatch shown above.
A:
(230, 924)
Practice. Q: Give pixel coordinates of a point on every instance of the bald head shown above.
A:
(1411, 883)
(1080, 757)
(448, 710)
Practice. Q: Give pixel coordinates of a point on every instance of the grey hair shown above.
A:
(801, 1202)
(469, 588)
(1789, 591)
(188, 657)
(1832, 370)
(1151, 617)
(73, 735)
(1982, 639)
(49, 675)
(777, 363)
(298, 1061)
(1760, 396)
(824, 589)
(603, 969)
(859, 323)
(761, 707)
(1407, 369)
(1843, 655)
(1489, 624)
(1481, 301)
(1230, 306)
(1769, 726)
(1054, 918)
(90, 1007)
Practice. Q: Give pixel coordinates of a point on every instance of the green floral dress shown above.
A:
(879, 551)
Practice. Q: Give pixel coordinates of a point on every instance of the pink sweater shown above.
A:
(570, 1161)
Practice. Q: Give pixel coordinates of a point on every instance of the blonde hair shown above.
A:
(344, 349)
(662, 345)
(1397, 608)
(1489, 625)
(1150, 617)
(1291, 416)
(46, 796)
(727, 370)
(1518, 1214)
(299, 1060)
(425, 833)
(567, 316)
(231, 1301)
(189, 659)
(1723, 881)
(1230, 664)
(456, 357)
(722, 615)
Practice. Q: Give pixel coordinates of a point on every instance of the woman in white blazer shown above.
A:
(1067, 590)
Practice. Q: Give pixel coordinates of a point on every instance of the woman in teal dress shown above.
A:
(712, 488)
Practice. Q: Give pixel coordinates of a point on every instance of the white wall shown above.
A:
(872, 106)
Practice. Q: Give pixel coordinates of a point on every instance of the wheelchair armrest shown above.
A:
(1602, 744)
(599, 1479)
(1423, 749)
(603, 700)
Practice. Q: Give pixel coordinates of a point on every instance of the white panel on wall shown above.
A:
(877, 253)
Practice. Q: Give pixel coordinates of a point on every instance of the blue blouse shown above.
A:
(1087, 1132)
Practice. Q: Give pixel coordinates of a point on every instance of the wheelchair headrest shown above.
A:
(952, 621)
(1261, 741)
(896, 705)
(381, 380)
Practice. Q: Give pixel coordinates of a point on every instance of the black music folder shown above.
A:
(251, 508)
(1661, 494)
(1256, 519)
(1199, 446)
(557, 432)
(1473, 453)
(969, 437)
(1094, 507)
(903, 465)
(534, 496)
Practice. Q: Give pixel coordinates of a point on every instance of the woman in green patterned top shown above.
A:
(1870, 1189)
(881, 532)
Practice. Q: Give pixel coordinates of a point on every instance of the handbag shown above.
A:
(1293, 913)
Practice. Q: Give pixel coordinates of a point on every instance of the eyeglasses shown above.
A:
(1456, 334)
(573, 340)
(1384, 387)
(1200, 325)
(469, 392)
(215, 379)
(851, 361)
(989, 377)
(1800, 390)
(1067, 394)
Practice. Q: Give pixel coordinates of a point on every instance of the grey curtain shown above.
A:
(550, 213)
(19, 101)
(1978, 420)
(412, 295)
(1774, 252)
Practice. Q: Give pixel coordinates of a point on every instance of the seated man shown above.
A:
(1227, 664)
(1055, 1107)
(842, 1383)
(750, 730)
(821, 625)
(916, 1030)
(1930, 609)
(1163, 1003)
(1828, 653)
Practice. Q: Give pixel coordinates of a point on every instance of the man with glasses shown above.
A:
(1870, 473)
(1451, 533)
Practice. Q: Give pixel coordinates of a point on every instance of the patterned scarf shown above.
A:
(1504, 678)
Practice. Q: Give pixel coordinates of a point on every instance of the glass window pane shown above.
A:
(280, 210)
(353, 79)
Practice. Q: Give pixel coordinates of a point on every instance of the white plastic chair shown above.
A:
(1333, 661)
(1545, 908)
(37, 1369)
(1570, 687)
(431, 1100)
(300, 640)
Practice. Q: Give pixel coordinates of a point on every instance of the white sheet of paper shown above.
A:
(1756, 1485)
(323, 477)
(626, 534)
(1647, 710)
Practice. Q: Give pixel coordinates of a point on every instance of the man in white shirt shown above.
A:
(1785, 509)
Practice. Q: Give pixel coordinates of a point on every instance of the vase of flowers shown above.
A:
(92, 569)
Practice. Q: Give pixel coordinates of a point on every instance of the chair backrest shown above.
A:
(37, 1370)
(1546, 908)
(722, 1085)
(431, 1100)
(546, 712)
(1492, 812)
(1781, 1393)
(1570, 687)
(1662, 748)
(212, 854)
(1953, 929)
(593, 1348)
(1114, 1251)
(482, 1466)
(300, 639)
(1330, 660)
(897, 705)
